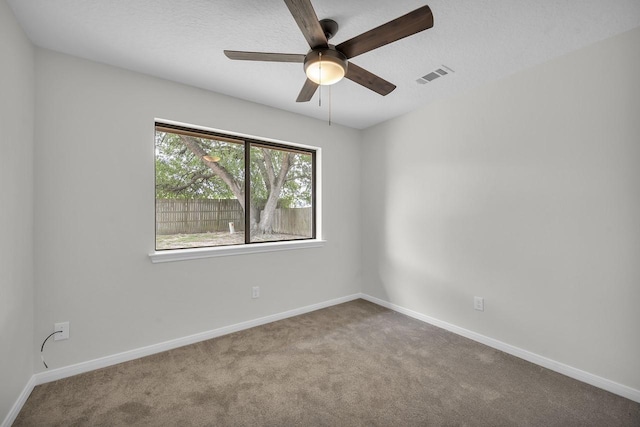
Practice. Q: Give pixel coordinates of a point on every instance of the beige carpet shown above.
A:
(355, 364)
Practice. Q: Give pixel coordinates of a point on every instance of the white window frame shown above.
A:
(253, 248)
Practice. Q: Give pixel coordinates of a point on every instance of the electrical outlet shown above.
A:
(255, 292)
(64, 327)
(478, 303)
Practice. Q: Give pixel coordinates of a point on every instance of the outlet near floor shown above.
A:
(255, 292)
(64, 328)
(478, 303)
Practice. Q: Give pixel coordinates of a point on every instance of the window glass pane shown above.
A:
(199, 191)
(202, 192)
(281, 194)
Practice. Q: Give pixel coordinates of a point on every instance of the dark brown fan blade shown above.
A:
(264, 56)
(413, 22)
(307, 20)
(307, 91)
(369, 80)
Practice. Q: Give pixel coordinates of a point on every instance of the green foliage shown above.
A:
(296, 192)
(182, 174)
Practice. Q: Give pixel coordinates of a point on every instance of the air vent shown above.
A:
(431, 77)
(440, 72)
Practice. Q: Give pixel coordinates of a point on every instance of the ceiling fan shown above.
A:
(327, 64)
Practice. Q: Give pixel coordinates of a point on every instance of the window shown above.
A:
(215, 189)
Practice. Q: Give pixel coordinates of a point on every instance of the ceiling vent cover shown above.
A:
(440, 72)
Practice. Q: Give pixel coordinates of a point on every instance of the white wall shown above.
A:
(525, 192)
(16, 209)
(94, 216)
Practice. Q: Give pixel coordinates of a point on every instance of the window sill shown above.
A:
(198, 253)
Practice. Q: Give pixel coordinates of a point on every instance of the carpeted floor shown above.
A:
(354, 364)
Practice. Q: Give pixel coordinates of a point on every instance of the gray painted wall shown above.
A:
(94, 141)
(525, 192)
(16, 212)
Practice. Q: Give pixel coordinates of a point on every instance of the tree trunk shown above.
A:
(274, 182)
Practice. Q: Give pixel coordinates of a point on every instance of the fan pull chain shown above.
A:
(329, 105)
(320, 80)
(320, 87)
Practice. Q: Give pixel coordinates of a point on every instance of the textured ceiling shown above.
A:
(481, 40)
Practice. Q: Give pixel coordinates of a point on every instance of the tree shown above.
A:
(183, 175)
(279, 178)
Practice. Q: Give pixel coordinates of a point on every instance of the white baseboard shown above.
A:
(17, 406)
(103, 362)
(580, 375)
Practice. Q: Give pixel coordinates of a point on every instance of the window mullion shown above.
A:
(247, 192)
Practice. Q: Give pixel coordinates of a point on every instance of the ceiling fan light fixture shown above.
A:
(325, 66)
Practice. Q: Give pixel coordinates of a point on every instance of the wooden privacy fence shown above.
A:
(191, 216)
(293, 221)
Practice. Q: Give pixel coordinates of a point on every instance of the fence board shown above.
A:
(293, 221)
(190, 216)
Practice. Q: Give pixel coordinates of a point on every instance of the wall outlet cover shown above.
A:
(478, 303)
(64, 327)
